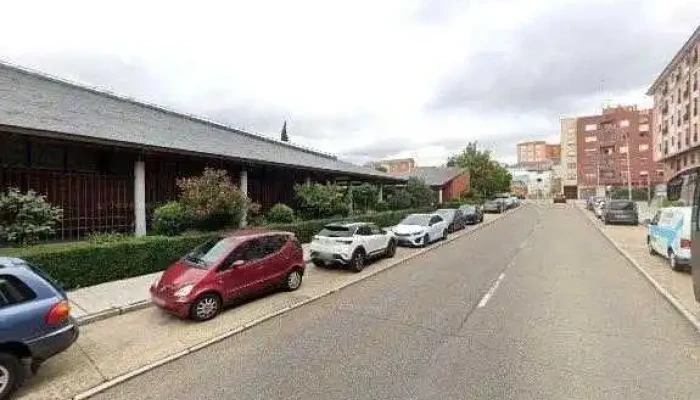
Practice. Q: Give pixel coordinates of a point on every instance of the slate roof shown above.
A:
(35, 101)
(433, 176)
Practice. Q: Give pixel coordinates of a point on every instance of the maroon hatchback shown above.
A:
(230, 266)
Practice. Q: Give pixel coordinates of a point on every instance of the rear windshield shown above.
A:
(622, 205)
(56, 285)
(336, 231)
(416, 219)
(468, 209)
(446, 212)
(211, 252)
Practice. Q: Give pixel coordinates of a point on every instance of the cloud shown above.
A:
(570, 51)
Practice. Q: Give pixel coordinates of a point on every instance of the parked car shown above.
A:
(496, 205)
(420, 229)
(454, 218)
(669, 235)
(515, 201)
(620, 212)
(472, 214)
(559, 198)
(598, 209)
(351, 244)
(35, 321)
(227, 267)
(592, 201)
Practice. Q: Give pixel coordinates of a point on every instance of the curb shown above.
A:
(669, 297)
(143, 369)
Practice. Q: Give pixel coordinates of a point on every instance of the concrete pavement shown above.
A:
(536, 306)
(109, 349)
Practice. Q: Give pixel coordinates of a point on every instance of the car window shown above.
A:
(14, 291)
(666, 218)
(249, 251)
(375, 230)
(336, 231)
(364, 230)
(434, 220)
(273, 244)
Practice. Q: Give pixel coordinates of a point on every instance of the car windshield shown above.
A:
(336, 231)
(211, 252)
(622, 205)
(416, 219)
(446, 212)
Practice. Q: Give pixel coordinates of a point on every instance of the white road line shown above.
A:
(491, 291)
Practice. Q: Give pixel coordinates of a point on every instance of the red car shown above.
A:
(230, 266)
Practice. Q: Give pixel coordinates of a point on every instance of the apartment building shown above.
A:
(676, 93)
(552, 152)
(615, 148)
(567, 170)
(538, 154)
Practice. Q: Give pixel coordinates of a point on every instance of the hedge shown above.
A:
(80, 264)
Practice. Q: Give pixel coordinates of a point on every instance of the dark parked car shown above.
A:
(454, 217)
(620, 212)
(472, 214)
(227, 267)
(559, 198)
(35, 321)
(496, 205)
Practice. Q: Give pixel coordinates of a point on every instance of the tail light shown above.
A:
(59, 313)
(685, 243)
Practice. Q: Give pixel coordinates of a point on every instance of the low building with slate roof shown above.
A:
(108, 160)
(449, 183)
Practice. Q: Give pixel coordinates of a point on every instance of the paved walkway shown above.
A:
(632, 239)
(109, 299)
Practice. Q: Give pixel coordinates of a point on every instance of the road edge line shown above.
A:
(665, 293)
(216, 339)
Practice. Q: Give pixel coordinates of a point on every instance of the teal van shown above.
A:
(669, 235)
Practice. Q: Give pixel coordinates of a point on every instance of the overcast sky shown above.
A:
(364, 79)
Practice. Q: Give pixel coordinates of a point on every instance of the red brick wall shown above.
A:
(456, 188)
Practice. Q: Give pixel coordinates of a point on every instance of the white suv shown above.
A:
(351, 244)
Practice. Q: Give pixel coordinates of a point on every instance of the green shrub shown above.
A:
(381, 206)
(212, 201)
(109, 237)
(26, 218)
(280, 214)
(81, 264)
(364, 197)
(399, 200)
(421, 194)
(171, 219)
(321, 201)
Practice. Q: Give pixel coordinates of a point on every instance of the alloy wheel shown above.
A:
(359, 263)
(207, 308)
(294, 280)
(4, 379)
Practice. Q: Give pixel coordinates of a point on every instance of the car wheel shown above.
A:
(426, 240)
(293, 281)
(11, 374)
(318, 263)
(673, 261)
(357, 262)
(451, 228)
(206, 307)
(444, 234)
(650, 247)
(390, 249)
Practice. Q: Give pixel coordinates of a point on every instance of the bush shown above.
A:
(81, 264)
(26, 218)
(171, 219)
(212, 201)
(321, 201)
(364, 197)
(381, 206)
(280, 214)
(399, 200)
(109, 237)
(421, 194)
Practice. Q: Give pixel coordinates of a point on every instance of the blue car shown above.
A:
(35, 321)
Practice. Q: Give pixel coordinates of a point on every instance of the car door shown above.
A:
(436, 227)
(243, 269)
(664, 233)
(379, 239)
(277, 259)
(364, 234)
(21, 318)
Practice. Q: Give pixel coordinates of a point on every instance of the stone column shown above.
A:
(140, 198)
(244, 188)
(440, 196)
(308, 181)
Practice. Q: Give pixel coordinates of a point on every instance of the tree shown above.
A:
(27, 218)
(284, 136)
(321, 201)
(421, 194)
(486, 176)
(212, 200)
(365, 197)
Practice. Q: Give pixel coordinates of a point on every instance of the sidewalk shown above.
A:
(632, 241)
(95, 303)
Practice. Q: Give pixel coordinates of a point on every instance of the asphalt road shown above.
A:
(568, 319)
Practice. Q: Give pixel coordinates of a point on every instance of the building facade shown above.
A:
(569, 152)
(615, 148)
(532, 152)
(537, 183)
(396, 166)
(676, 96)
(552, 152)
(109, 161)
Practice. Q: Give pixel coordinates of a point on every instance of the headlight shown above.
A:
(184, 291)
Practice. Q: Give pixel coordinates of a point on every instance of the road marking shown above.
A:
(491, 291)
